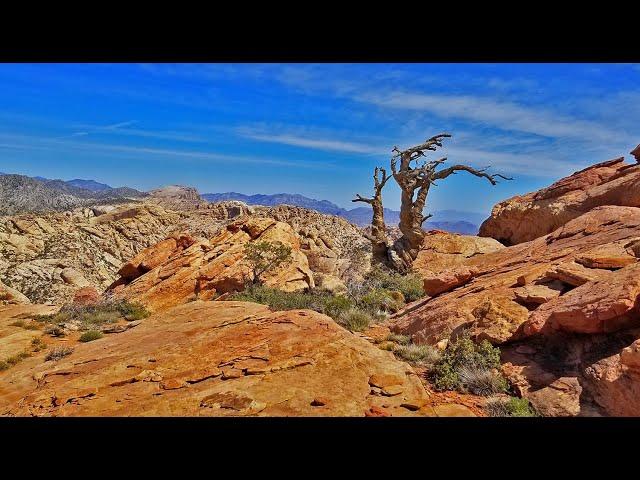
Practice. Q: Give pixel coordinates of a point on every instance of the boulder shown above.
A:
(526, 217)
(86, 296)
(595, 307)
(10, 295)
(447, 280)
(538, 293)
(442, 251)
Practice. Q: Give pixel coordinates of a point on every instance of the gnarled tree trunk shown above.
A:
(415, 182)
(378, 237)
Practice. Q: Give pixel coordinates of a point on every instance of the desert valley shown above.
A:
(115, 302)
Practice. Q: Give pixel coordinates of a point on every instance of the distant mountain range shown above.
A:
(449, 220)
(19, 193)
(323, 206)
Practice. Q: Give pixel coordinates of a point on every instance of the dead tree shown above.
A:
(378, 236)
(415, 178)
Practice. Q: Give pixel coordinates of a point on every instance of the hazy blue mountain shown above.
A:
(89, 185)
(450, 220)
(323, 206)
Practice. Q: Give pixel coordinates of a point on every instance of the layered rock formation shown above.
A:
(218, 359)
(181, 269)
(538, 300)
(48, 257)
(523, 218)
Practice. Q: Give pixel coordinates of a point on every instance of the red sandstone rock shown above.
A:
(431, 320)
(282, 362)
(523, 218)
(447, 280)
(595, 307)
(178, 270)
(86, 296)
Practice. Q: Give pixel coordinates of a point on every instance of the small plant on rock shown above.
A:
(462, 355)
(513, 407)
(264, 257)
(58, 353)
(354, 320)
(418, 354)
(398, 338)
(90, 336)
(13, 360)
(481, 381)
(38, 344)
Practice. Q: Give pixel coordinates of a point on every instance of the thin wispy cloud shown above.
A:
(36, 143)
(325, 144)
(496, 113)
(118, 129)
(528, 164)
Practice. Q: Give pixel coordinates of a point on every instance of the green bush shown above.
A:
(398, 338)
(463, 353)
(379, 300)
(514, 407)
(131, 310)
(91, 316)
(90, 336)
(354, 320)
(264, 257)
(13, 360)
(38, 344)
(410, 285)
(382, 292)
(418, 354)
(336, 306)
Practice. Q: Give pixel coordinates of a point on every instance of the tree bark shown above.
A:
(379, 240)
(415, 182)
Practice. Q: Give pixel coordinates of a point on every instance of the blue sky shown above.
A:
(314, 129)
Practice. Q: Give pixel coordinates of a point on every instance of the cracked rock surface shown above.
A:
(218, 359)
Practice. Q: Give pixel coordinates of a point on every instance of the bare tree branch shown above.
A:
(442, 174)
(360, 198)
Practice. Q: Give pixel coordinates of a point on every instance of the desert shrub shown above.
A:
(13, 360)
(410, 285)
(459, 354)
(18, 323)
(335, 306)
(481, 381)
(131, 310)
(38, 344)
(57, 353)
(378, 300)
(54, 330)
(341, 309)
(264, 257)
(279, 300)
(418, 354)
(90, 336)
(91, 316)
(354, 320)
(398, 338)
(513, 407)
